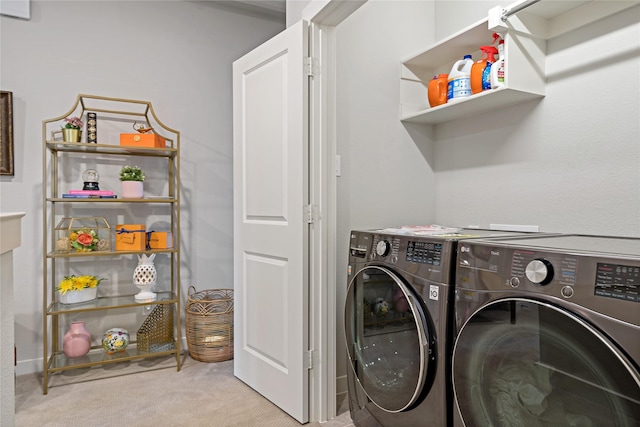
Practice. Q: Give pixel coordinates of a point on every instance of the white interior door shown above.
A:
(270, 163)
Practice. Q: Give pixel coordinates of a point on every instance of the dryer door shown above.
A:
(388, 339)
(520, 362)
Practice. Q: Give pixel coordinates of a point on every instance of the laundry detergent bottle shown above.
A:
(481, 70)
(459, 85)
(437, 90)
(498, 69)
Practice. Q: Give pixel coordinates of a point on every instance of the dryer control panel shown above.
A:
(603, 284)
(618, 281)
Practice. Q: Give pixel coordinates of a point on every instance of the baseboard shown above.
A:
(30, 366)
(341, 385)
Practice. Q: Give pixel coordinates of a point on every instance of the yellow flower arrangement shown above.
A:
(77, 283)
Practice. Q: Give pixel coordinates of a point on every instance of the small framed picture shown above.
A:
(6, 133)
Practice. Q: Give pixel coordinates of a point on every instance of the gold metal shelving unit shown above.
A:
(120, 114)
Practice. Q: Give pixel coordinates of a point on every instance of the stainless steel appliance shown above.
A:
(398, 317)
(548, 332)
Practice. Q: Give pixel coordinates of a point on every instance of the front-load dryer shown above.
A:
(398, 332)
(548, 332)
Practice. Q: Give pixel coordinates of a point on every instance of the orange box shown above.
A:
(142, 140)
(160, 240)
(131, 237)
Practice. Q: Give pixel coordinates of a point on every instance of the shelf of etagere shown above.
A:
(97, 356)
(107, 303)
(105, 200)
(81, 147)
(108, 253)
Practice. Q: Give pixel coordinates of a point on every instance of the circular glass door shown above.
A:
(519, 362)
(387, 339)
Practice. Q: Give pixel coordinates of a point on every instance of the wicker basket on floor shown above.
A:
(209, 324)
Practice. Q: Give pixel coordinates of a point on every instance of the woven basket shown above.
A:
(209, 324)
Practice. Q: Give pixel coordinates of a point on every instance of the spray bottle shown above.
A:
(481, 70)
(498, 69)
(459, 85)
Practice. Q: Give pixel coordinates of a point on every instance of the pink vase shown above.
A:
(77, 340)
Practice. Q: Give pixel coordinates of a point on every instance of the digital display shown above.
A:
(424, 252)
(618, 281)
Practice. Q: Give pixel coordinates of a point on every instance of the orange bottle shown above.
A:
(437, 90)
(478, 69)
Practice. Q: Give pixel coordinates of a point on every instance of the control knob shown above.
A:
(539, 271)
(382, 248)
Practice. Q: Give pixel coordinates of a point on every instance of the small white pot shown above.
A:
(74, 297)
(132, 189)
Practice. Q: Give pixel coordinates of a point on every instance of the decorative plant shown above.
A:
(73, 123)
(131, 173)
(84, 240)
(77, 283)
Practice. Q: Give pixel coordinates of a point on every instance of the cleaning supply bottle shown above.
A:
(498, 69)
(481, 70)
(437, 90)
(459, 86)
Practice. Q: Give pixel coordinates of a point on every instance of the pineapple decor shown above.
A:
(144, 277)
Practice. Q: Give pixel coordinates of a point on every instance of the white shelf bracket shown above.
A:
(496, 23)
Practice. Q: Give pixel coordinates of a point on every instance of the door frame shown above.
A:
(323, 16)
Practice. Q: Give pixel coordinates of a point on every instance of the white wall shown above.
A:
(294, 10)
(177, 55)
(386, 177)
(568, 163)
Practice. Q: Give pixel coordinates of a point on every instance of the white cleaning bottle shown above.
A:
(459, 84)
(498, 69)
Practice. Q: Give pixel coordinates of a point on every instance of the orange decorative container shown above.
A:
(151, 140)
(160, 240)
(437, 90)
(131, 237)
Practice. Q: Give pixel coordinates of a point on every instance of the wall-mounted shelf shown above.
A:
(525, 37)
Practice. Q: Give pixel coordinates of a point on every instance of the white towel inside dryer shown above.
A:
(523, 396)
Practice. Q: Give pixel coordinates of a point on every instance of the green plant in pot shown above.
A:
(132, 178)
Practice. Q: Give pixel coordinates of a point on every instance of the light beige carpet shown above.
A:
(201, 394)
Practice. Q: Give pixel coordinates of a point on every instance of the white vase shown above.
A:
(132, 189)
(144, 277)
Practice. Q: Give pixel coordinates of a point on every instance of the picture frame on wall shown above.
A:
(6, 133)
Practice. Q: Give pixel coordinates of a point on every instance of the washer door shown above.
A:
(388, 339)
(520, 362)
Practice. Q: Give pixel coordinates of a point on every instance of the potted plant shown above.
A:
(132, 179)
(72, 130)
(74, 289)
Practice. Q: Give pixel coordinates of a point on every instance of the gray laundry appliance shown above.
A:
(398, 325)
(547, 332)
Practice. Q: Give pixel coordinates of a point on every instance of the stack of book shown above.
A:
(89, 194)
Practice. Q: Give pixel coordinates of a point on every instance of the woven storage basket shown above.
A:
(209, 324)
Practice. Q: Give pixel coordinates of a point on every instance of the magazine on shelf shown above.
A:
(92, 192)
(87, 196)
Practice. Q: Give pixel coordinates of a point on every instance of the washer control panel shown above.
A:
(424, 252)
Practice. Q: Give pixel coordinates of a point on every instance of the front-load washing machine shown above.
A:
(548, 332)
(398, 332)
